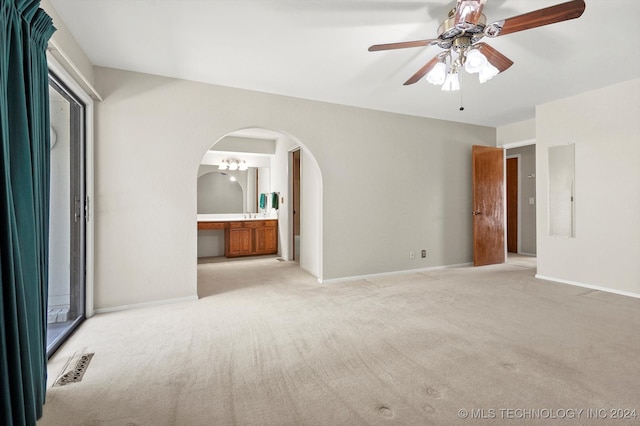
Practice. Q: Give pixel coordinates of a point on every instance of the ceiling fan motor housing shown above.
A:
(449, 33)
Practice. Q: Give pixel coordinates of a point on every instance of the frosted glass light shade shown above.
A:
(438, 74)
(487, 72)
(451, 83)
(475, 61)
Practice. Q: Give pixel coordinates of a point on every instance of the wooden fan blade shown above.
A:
(537, 18)
(468, 13)
(401, 45)
(494, 57)
(422, 71)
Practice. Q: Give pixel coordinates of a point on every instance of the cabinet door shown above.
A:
(239, 242)
(266, 240)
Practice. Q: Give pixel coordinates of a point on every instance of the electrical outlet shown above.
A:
(424, 254)
(411, 254)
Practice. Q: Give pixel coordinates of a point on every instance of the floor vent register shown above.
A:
(74, 369)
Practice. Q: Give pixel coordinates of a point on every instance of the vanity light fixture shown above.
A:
(233, 164)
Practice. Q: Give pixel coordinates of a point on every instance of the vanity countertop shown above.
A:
(233, 217)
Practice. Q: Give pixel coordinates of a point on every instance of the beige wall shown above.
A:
(391, 183)
(522, 131)
(605, 128)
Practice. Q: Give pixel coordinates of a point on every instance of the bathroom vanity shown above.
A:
(244, 236)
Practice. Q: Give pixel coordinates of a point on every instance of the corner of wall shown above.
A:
(66, 50)
(604, 127)
(512, 134)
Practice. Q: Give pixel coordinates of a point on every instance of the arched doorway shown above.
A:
(266, 156)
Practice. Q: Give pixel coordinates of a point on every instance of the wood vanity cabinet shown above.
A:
(238, 242)
(266, 238)
(248, 238)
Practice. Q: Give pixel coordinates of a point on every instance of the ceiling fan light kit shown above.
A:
(460, 36)
(451, 83)
(487, 73)
(438, 73)
(475, 61)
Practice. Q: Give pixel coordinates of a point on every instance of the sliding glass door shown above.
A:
(67, 224)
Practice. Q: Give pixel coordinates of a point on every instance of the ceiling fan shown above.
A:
(460, 35)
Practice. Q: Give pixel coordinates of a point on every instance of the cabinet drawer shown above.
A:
(211, 225)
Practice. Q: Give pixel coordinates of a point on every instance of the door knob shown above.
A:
(476, 212)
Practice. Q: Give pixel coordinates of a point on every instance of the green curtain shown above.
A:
(24, 209)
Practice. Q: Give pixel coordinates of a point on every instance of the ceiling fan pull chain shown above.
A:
(461, 106)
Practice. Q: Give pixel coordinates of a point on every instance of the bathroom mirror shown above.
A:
(218, 193)
(562, 191)
(246, 155)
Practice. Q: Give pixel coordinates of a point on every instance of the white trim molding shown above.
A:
(146, 304)
(592, 287)
(387, 274)
(518, 144)
(57, 68)
(88, 87)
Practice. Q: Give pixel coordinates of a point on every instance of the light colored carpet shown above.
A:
(522, 260)
(267, 345)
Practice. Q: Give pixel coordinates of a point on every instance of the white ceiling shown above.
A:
(256, 133)
(317, 49)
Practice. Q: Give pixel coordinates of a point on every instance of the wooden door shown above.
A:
(488, 205)
(296, 200)
(512, 205)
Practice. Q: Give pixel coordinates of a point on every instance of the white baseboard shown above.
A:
(527, 254)
(146, 304)
(592, 287)
(387, 274)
